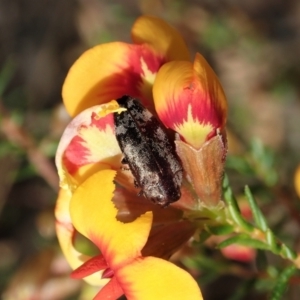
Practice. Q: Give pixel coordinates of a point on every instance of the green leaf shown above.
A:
(234, 210)
(221, 230)
(281, 284)
(245, 240)
(272, 242)
(287, 252)
(258, 217)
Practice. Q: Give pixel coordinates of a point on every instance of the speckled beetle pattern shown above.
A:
(149, 153)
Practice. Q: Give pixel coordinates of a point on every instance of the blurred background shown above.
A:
(254, 48)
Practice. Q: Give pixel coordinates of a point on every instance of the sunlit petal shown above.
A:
(93, 200)
(65, 234)
(163, 38)
(190, 100)
(108, 72)
(154, 278)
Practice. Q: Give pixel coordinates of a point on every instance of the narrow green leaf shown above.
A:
(272, 242)
(221, 230)
(225, 183)
(281, 284)
(287, 252)
(228, 196)
(234, 210)
(243, 239)
(239, 220)
(259, 218)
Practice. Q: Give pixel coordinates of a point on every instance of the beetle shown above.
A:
(149, 153)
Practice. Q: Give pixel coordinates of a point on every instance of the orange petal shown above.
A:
(154, 278)
(190, 100)
(94, 215)
(89, 139)
(109, 71)
(163, 38)
(65, 234)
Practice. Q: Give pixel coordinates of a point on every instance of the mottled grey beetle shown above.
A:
(147, 150)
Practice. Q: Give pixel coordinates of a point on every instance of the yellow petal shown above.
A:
(65, 234)
(89, 75)
(153, 278)
(189, 99)
(94, 215)
(163, 38)
(297, 181)
(108, 72)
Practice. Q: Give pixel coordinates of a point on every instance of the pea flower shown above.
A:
(98, 197)
(136, 276)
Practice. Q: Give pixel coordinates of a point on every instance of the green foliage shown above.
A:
(282, 281)
(258, 217)
(257, 235)
(244, 240)
(259, 161)
(220, 230)
(235, 229)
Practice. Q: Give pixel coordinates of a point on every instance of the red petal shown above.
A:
(91, 266)
(111, 291)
